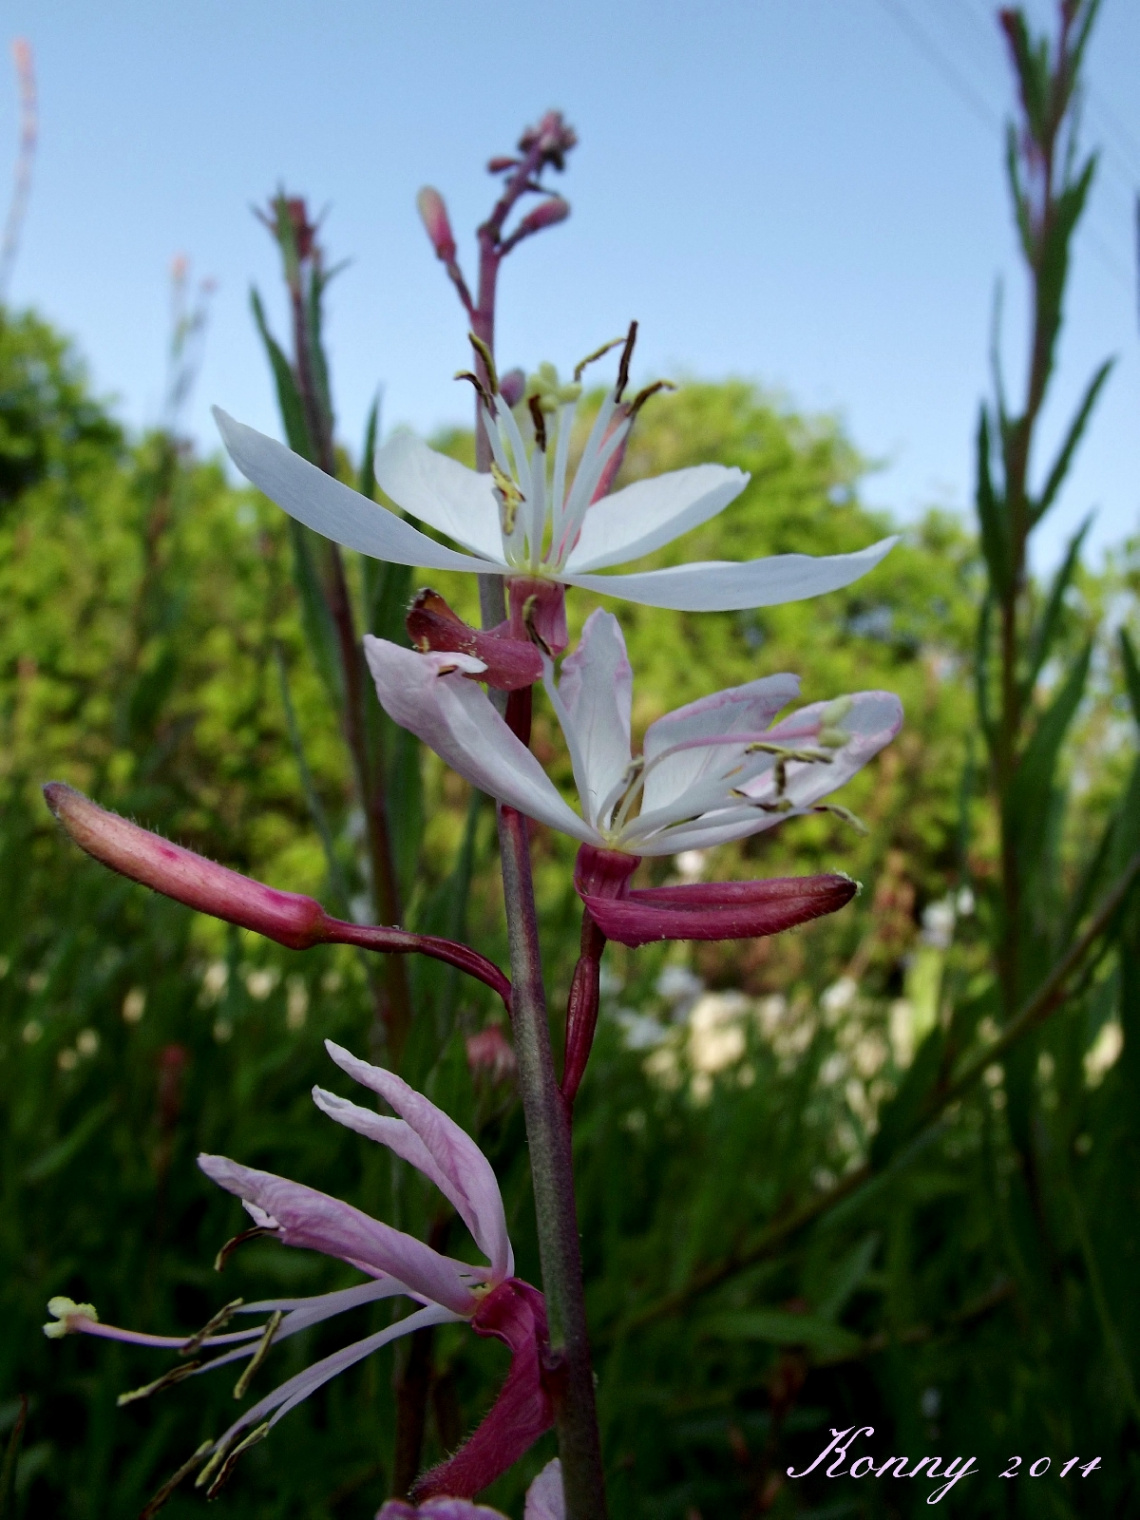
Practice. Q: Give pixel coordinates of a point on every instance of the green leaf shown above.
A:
(992, 518)
(55, 1159)
(1050, 620)
(903, 1114)
(1131, 672)
(1028, 797)
(779, 1328)
(288, 396)
(847, 1277)
(1065, 454)
(320, 630)
(367, 484)
(11, 1458)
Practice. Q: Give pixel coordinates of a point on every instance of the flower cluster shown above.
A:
(722, 768)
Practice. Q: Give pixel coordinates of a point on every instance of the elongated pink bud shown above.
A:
(719, 910)
(433, 214)
(547, 213)
(510, 662)
(287, 917)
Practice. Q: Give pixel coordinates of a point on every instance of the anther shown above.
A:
(167, 1380)
(626, 359)
(159, 1499)
(643, 395)
(212, 1326)
(241, 1387)
(231, 1461)
(231, 1245)
(488, 359)
(535, 406)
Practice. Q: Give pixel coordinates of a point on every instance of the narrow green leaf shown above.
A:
(367, 483)
(315, 615)
(903, 1114)
(847, 1277)
(1131, 672)
(288, 396)
(11, 1458)
(55, 1159)
(991, 513)
(1072, 439)
(778, 1328)
(1028, 799)
(1049, 622)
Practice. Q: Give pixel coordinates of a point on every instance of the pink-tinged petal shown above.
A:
(538, 611)
(732, 586)
(649, 513)
(719, 910)
(869, 720)
(311, 1219)
(545, 1499)
(426, 694)
(459, 1168)
(438, 1509)
(508, 663)
(593, 699)
(516, 1314)
(695, 733)
(333, 509)
(442, 493)
(296, 1389)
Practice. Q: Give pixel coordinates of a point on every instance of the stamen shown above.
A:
(221, 1319)
(241, 1387)
(232, 1244)
(787, 752)
(511, 498)
(488, 360)
(643, 395)
(155, 1503)
(230, 1462)
(842, 813)
(167, 1380)
(535, 407)
(626, 357)
(484, 394)
(599, 353)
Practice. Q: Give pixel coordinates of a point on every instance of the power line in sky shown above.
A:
(980, 107)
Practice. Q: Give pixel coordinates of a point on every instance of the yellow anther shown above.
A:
(511, 497)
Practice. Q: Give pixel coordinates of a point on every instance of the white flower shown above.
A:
(713, 771)
(529, 520)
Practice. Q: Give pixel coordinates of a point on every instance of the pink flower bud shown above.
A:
(286, 917)
(292, 920)
(512, 385)
(547, 214)
(491, 1056)
(433, 214)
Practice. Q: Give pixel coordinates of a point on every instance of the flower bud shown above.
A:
(547, 214)
(286, 917)
(491, 1056)
(512, 385)
(433, 214)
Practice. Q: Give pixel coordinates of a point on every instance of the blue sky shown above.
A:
(806, 192)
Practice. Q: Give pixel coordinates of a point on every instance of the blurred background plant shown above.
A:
(879, 1170)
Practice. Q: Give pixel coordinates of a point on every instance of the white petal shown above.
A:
(593, 700)
(330, 508)
(454, 717)
(731, 586)
(544, 1498)
(457, 1165)
(741, 710)
(297, 1388)
(649, 513)
(441, 492)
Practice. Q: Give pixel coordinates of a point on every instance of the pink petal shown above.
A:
(438, 1509)
(426, 694)
(508, 663)
(719, 910)
(312, 1219)
(515, 1313)
(461, 1171)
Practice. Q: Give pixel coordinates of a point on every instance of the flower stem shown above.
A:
(548, 1136)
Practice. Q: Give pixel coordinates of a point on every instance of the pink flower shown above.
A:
(494, 1302)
